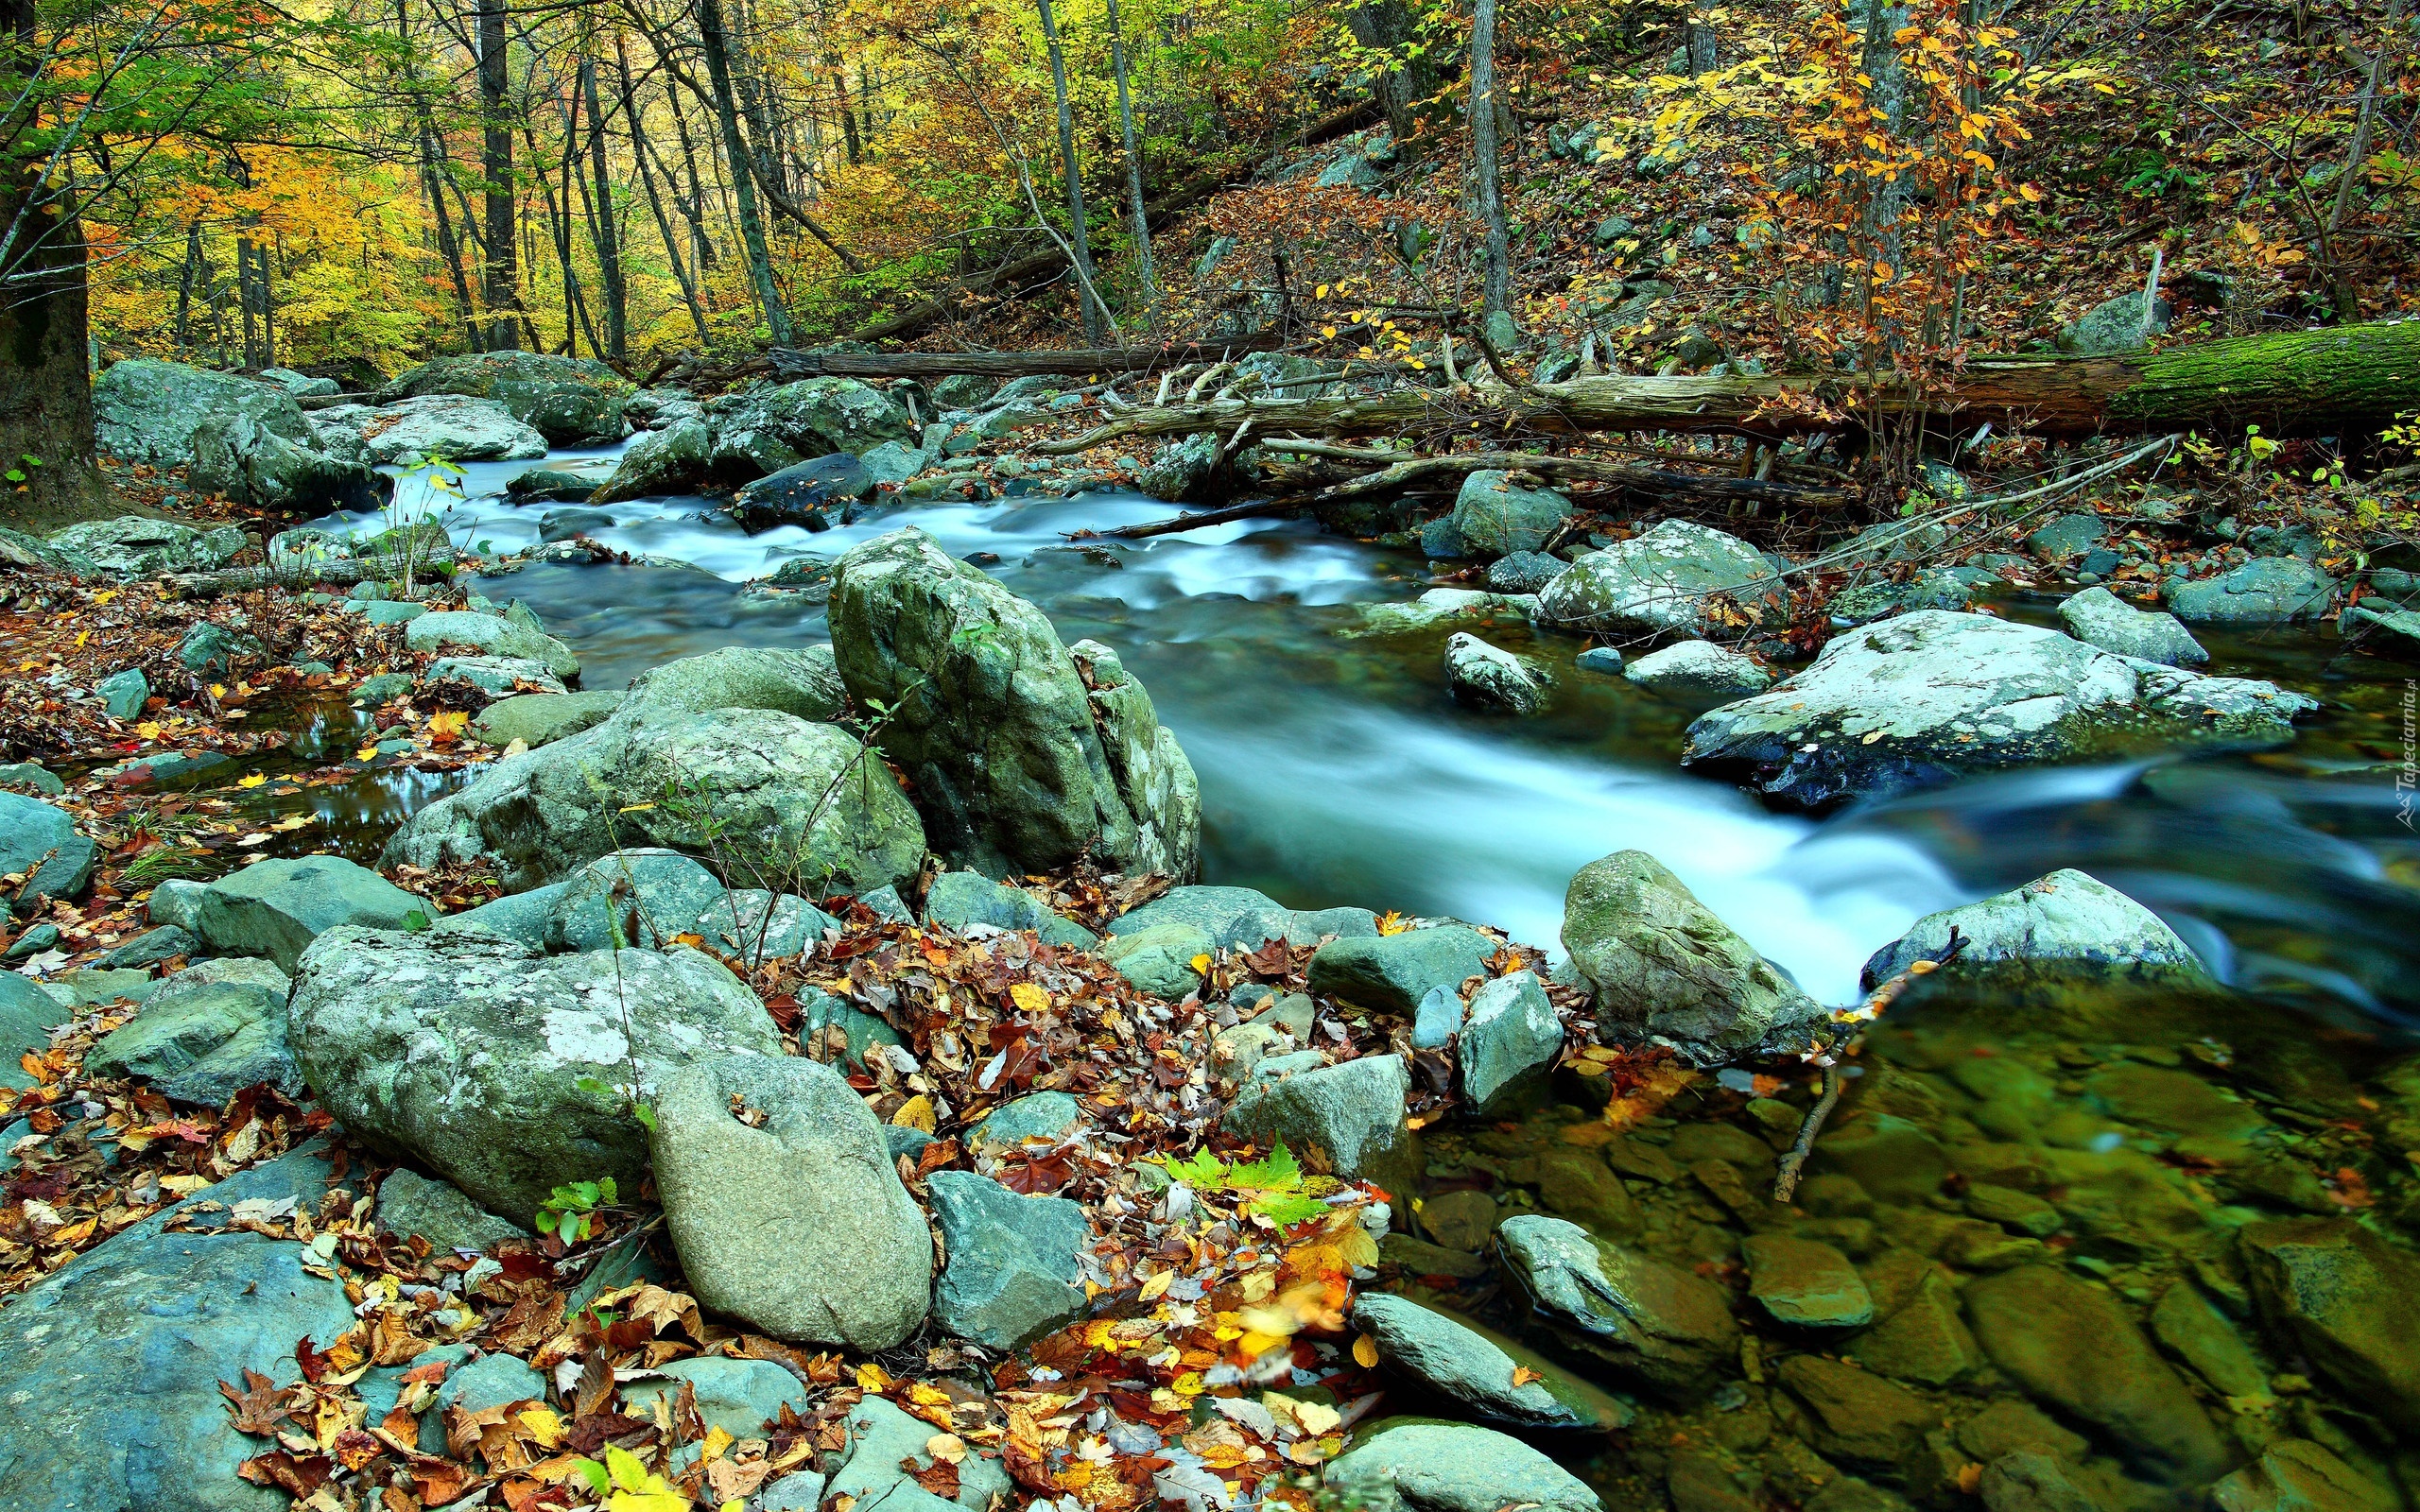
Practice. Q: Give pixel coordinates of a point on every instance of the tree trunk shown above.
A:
(2341, 381)
(1072, 362)
(606, 234)
(45, 388)
(1704, 53)
(1407, 78)
(1079, 237)
(495, 166)
(751, 226)
(640, 149)
(195, 268)
(1135, 208)
(1497, 298)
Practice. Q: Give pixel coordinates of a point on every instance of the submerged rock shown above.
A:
(1024, 753)
(1665, 581)
(793, 1221)
(2099, 617)
(1491, 678)
(503, 1070)
(2296, 1475)
(2337, 1294)
(2064, 920)
(2265, 590)
(1858, 1417)
(1918, 700)
(1653, 1323)
(1417, 1465)
(1805, 1283)
(1659, 963)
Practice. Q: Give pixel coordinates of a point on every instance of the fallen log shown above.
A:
(1410, 471)
(2346, 379)
(789, 363)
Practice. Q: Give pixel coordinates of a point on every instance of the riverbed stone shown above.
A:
(1047, 1115)
(410, 1203)
(1443, 1355)
(959, 899)
(490, 635)
(2068, 919)
(123, 694)
(1860, 1419)
(247, 440)
(206, 1034)
(1489, 678)
(1805, 1283)
(1699, 669)
(114, 1359)
(1023, 753)
(277, 907)
(2072, 1345)
(2196, 1332)
(1524, 571)
(136, 545)
(1658, 962)
(670, 459)
(537, 718)
(2265, 590)
(1666, 581)
(2029, 1481)
(457, 427)
(2338, 1294)
(1496, 516)
(502, 1070)
(2099, 617)
(1012, 1273)
(2297, 1475)
(1932, 588)
(1508, 1039)
(1916, 700)
(756, 925)
(1394, 972)
(1578, 1185)
(1923, 1335)
(798, 1226)
(1352, 1113)
(39, 842)
(1652, 1323)
(642, 898)
(1160, 960)
(27, 1014)
(151, 948)
(804, 683)
(1420, 1464)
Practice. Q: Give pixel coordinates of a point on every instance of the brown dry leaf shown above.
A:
(257, 1408)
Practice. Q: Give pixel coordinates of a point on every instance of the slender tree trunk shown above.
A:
(1409, 78)
(854, 148)
(1079, 240)
(1704, 49)
(1136, 211)
(751, 225)
(640, 150)
(195, 267)
(1498, 293)
(575, 320)
(495, 166)
(608, 235)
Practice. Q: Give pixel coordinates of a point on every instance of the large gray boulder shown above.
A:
(1659, 963)
(1420, 1464)
(1496, 517)
(490, 635)
(1013, 1273)
(536, 718)
(799, 798)
(1354, 1114)
(1656, 1324)
(1915, 700)
(2099, 617)
(1489, 678)
(1443, 1355)
(277, 907)
(1671, 580)
(744, 436)
(1699, 669)
(563, 399)
(1397, 971)
(136, 545)
(2066, 921)
(452, 426)
(671, 459)
(2265, 590)
(39, 843)
(505, 1071)
(1243, 917)
(806, 683)
(1023, 754)
(206, 1034)
(247, 440)
(794, 1223)
(113, 1402)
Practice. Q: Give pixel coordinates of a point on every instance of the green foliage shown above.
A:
(570, 1212)
(1270, 1187)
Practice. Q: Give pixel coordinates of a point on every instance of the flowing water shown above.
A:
(2122, 1144)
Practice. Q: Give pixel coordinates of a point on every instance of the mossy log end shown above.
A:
(2305, 382)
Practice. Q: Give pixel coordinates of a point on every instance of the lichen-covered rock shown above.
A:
(1417, 1465)
(490, 635)
(1496, 516)
(453, 427)
(772, 426)
(1396, 972)
(410, 1203)
(138, 545)
(795, 1222)
(806, 683)
(1023, 754)
(1699, 669)
(1668, 582)
(537, 718)
(672, 459)
(2098, 617)
(277, 907)
(2067, 919)
(1013, 1273)
(2265, 590)
(247, 440)
(507, 1072)
(959, 899)
(1353, 1114)
(1489, 676)
(1918, 700)
(1660, 963)
(1244, 918)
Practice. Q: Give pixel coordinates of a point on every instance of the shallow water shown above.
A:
(2015, 1144)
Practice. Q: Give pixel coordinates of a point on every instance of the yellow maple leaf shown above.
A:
(1029, 998)
(916, 1112)
(254, 780)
